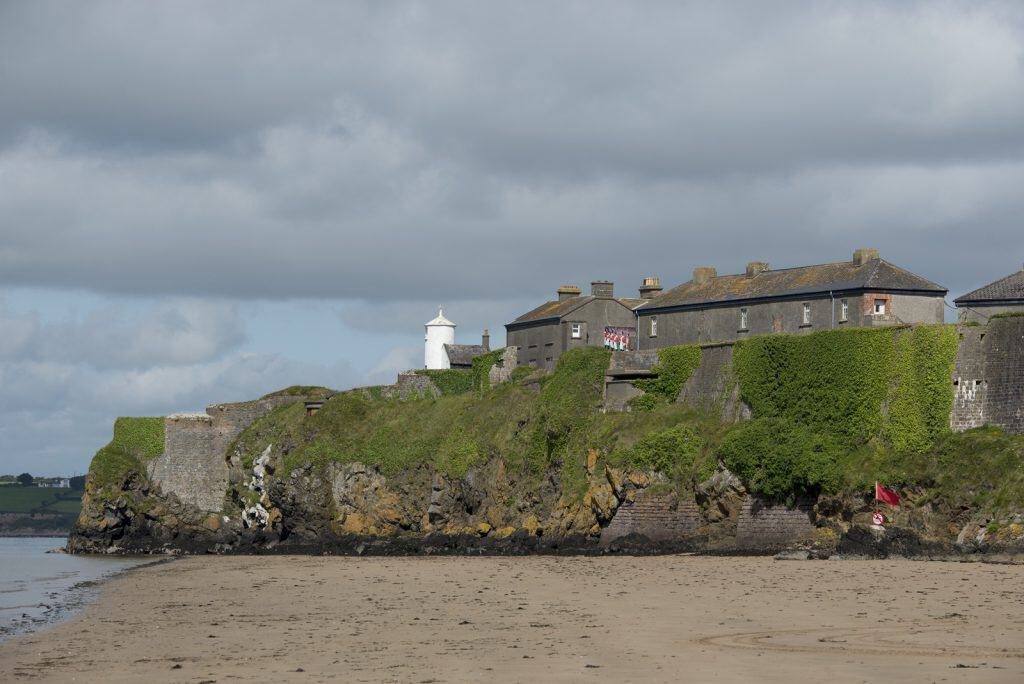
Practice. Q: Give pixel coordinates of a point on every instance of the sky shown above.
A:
(204, 202)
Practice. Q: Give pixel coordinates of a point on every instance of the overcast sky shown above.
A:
(204, 202)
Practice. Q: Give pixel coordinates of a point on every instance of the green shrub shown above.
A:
(674, 452)
(482, 368)
(1008, 314)
(781, 459)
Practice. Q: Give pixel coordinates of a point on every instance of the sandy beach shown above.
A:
(538, 619)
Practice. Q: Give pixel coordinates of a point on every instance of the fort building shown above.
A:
(574, 320)
(1004, 296)
(865, 291)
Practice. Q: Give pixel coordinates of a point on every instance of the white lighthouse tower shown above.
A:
(440, 332)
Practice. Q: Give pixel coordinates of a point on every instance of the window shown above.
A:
(844, 311)
(807, 314)
(879, 307)
(654, 326)
(576, 331)
(743, 319)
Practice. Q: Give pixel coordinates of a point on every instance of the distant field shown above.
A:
(39, 500)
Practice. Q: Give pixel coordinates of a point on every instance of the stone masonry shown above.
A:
(988, 383)
(194, 465)
(656, 517)
(765, 526)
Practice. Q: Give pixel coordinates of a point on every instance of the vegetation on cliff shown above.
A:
(833, 411)
(135, 441)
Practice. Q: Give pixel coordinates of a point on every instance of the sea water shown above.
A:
(37, 587)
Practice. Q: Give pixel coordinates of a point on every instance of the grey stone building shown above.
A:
(1005, 295)
(865, 291)
(462, 355)
(573, 320)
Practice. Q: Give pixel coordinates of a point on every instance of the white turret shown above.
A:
(440, 332)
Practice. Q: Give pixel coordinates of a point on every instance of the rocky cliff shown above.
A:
(536, 464)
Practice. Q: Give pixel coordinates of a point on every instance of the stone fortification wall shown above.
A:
(656, 517)
(711, 386)
(502, 370)
(988, 382)
(193, 466)
(764, 526)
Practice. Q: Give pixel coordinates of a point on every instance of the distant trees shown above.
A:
(25, 480)
(78, 483)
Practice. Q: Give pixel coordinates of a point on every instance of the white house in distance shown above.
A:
(441, 352)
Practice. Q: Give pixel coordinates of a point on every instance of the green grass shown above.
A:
(532, 433)
(135, 441)
(313, 392)
(39, 500)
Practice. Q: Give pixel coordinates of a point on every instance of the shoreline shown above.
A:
(546, 618)
(64, 604)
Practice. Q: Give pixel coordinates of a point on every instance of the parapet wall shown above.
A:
(988, 383)
(194, 466)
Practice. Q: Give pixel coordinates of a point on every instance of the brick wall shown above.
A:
(988, 382)
(659, 517)
(765, 526)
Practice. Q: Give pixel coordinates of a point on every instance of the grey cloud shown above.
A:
(466, 151)
(171, 333)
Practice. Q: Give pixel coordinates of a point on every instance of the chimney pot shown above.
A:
(568, 292)
(703, 274)
(602, 288)
(650, 287)
(864, 255)
(756, 267)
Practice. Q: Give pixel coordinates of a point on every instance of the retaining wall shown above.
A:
(656, 517)
(193, 465)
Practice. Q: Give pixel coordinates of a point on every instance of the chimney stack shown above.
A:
(864, 255)
(650, 287)
(486, 340)
(756, 267)
(603, 289)
(568, 292)
(704, 274)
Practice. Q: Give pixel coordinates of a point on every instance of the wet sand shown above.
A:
(538, 619)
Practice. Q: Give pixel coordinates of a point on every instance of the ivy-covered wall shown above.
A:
(675, 366)
(855, 384)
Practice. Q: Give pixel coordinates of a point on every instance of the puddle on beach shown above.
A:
(38, 588)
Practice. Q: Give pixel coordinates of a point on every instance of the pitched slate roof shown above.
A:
(875, 274)
(557, 309)
(462, 354)
(1005, 289)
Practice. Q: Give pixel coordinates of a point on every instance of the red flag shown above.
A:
(887, 495)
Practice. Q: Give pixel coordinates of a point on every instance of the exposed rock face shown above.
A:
(355, 508)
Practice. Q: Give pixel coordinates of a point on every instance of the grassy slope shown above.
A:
(531, 431)
(135, 441)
